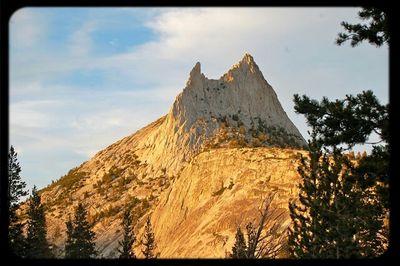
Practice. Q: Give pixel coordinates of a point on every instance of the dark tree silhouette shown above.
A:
(80, 242)
(349, 122)
(16, 187)
(16, 190)
(239, 249)
(148, 241)
(37, 245)
(126, 251)
(342, 205)
(70, 242)
(16, 238)
(376, 32)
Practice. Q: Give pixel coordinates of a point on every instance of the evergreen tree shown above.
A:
(16, 187)
(349, 122)
(341, 204)
(335, 217)
(126, 251)
(69, 244)
(239, 249)
(80, 237)
(16, 190)
(375, 167)
(251, 241)
(149, 241)
(376, 33)
(16, 238)
(303, 237)
(37, 245)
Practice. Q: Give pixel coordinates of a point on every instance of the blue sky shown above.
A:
(83, 78)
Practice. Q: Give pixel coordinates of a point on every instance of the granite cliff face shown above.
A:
(197, 171)
(219, 190)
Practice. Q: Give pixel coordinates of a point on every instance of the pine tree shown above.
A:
(349, 122)
(376, 33)
(16, 187)
(341, 204)
(16, 238)
(80, 237)
(16, 190)
(336, 216)
(239, 249)
(148, 241)
(251, 241)
(37, 245)
(371, 113)
(69, 244)
(126, 251)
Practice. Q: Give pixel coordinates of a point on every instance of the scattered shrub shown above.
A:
(70, 180)
(231, 184)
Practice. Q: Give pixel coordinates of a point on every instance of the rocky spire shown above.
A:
(247, 59)
(242, 93)
(245, 67)
(196, 70)
(195, 74)
(247, 64)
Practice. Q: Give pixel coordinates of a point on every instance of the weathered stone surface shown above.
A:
(172, 168)
(218, 190)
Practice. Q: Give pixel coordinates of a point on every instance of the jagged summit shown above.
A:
(247, 64)
(247, 60)
(195, 74)
(241, 97)
(196, 69)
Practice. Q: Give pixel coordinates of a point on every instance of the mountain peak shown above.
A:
(195, 74)
(196, 69)
(247, 59)
(247, 64)
(241, 97)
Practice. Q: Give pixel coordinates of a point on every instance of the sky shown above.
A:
(83, 78)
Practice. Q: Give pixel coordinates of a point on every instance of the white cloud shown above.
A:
(290, 45)
(21, 87)
(27, 28)
(32, 114)
(218, 38)
(80, 42)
